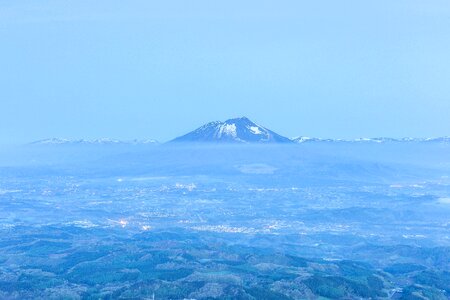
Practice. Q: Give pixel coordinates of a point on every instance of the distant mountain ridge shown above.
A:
(102, 141)
(237, 130)
(304, 139)
(297, 140)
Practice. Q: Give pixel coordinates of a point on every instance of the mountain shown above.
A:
(445, 139)
(379, 140)
(102, 141)
(238, 130)
(306, 139)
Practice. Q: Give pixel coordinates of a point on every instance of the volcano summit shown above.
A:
(238, 130)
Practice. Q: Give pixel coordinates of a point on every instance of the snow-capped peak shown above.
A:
(237, 130)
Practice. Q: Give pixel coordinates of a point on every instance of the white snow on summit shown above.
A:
(227, 129)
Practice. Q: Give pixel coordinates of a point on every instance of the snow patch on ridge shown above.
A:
(445, 200)
(255, 130)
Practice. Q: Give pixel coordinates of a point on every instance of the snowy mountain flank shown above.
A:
(238, 130)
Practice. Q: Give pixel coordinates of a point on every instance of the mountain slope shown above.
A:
(238, 130)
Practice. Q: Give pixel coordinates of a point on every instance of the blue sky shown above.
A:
(155, 69)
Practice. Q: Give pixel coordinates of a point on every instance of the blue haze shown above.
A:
(231, 209)
(317, 220)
